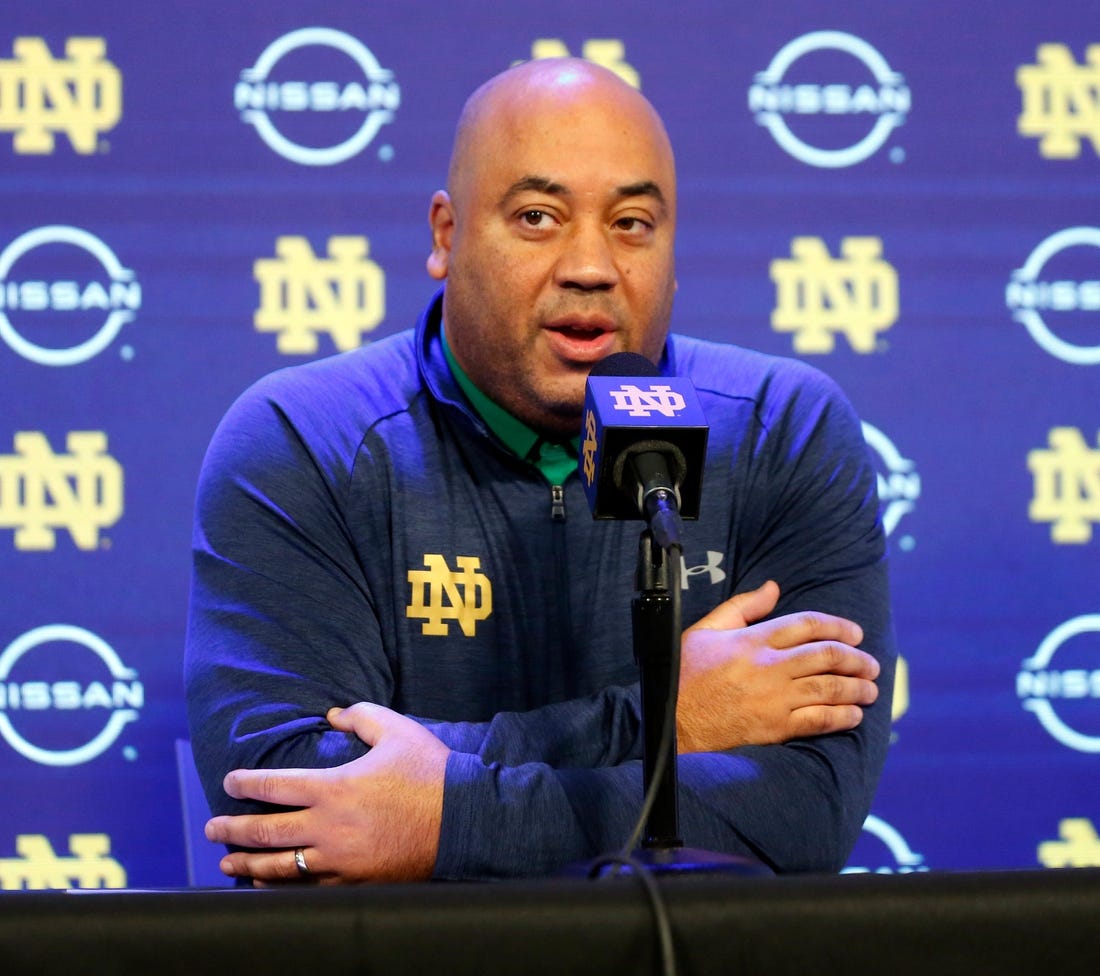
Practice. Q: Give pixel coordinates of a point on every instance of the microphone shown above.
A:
(644, 447)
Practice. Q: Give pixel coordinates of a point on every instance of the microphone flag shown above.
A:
(630, 410)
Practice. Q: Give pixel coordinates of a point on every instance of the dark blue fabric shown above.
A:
(327, 484)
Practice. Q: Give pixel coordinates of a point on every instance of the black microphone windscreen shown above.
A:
(624, 364)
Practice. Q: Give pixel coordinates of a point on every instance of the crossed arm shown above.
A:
(745, 682)
(780, 736)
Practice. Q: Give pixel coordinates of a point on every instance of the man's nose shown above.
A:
(587, 260)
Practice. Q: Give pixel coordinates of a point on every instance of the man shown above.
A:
(399, 530)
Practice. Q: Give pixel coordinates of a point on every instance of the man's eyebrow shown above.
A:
(644, 188)
(543, 184)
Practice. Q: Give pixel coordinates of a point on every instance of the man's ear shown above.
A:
(441, 216)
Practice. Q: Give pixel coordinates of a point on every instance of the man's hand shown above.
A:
(376, 818)
(793, 676)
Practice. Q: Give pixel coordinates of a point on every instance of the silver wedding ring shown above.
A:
(300, 862)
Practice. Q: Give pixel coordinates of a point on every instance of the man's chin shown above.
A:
(557, 418)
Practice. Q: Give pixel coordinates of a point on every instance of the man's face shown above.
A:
(557, 245)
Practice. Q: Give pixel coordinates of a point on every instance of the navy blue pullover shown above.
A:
(362, 536)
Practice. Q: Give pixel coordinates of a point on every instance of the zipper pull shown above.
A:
(557, 503)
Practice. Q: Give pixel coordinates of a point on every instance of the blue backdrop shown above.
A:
(905, 195)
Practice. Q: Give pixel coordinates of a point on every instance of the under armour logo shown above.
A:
(644, 403)
(440, 595)
(712, 568)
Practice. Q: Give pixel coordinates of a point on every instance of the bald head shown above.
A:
(545, 87)
(554, 235)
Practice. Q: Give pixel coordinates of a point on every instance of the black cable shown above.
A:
(664, 755)
(656, 901)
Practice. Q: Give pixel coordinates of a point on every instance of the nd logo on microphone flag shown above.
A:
(622, 414)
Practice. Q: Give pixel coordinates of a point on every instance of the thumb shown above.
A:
(365, 719)
(741, 609)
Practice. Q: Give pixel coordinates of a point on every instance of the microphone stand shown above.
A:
(657, 631)
(655, 618)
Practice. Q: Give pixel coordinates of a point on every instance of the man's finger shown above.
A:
(283, 787)
(367, 720)
(834, 689)
(271, 867)
(258, 830)
(824, 719)
(741, 609)
(809, 627)
(831, 657)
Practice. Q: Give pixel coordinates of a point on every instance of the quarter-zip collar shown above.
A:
(555, 459)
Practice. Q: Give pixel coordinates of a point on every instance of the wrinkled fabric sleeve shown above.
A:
(283, 625)
(795, 807)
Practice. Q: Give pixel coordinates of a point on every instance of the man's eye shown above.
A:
(534, 218)
(632, 225)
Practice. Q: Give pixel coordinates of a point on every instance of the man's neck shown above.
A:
(555, 457)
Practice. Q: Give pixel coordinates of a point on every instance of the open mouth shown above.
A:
(580, 333)
(581, 342)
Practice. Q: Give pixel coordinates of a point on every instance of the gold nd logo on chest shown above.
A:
(440, 595)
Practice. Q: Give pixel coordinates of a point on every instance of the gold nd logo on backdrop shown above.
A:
(1061, 101)
(79, 95)
(1067, 485)
(302, 295)
(41, 491)
(1077, 846)
(606, 52)
(819, 297)
(37, 866)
